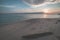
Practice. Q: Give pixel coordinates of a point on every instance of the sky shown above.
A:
(23, 6)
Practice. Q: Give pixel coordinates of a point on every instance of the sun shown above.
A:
(46, 11)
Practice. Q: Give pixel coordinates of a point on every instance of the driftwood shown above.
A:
(32, 36)
(58, 37)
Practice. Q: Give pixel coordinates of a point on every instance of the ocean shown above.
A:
(8, 18)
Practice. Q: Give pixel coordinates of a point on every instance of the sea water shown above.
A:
(8, 18)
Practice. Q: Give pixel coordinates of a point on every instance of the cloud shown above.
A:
(28, 10)
(9, 6)
(55, 10)
(34, 8)
(35, 2)
(38, 3)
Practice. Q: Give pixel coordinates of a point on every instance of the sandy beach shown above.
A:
(32, 26)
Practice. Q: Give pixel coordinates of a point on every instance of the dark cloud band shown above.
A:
(37, 3)
(34, 2)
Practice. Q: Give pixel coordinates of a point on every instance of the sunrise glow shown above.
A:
(46, 11)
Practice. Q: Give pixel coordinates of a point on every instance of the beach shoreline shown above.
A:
(31, 26)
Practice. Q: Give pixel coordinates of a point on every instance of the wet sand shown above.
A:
(32, 26)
